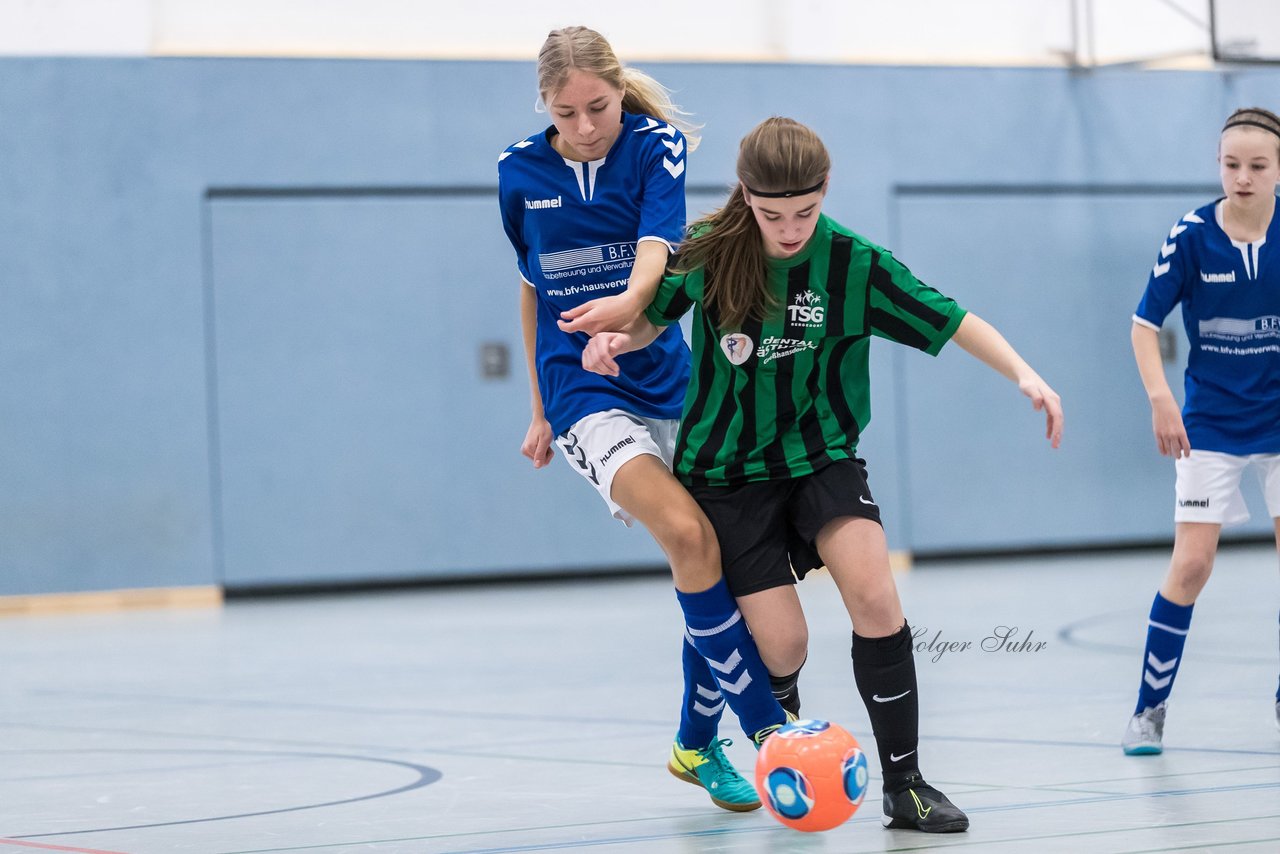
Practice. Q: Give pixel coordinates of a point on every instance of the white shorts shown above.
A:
(1208, 488)
(598, 444)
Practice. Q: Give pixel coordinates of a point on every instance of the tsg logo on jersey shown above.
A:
(736, 347)
(806, 311)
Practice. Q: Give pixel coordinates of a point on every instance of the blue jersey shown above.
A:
(575, 227)
(1230, 295)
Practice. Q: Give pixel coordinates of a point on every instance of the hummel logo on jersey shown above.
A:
(1212, 278)
(1193, 502)
(540, 204)
(807, 311)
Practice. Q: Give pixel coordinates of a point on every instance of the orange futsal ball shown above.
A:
(811, 775)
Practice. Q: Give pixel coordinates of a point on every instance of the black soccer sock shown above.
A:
(885, 672)
(786, 689)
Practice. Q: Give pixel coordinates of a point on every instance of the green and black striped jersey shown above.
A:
(782, 398)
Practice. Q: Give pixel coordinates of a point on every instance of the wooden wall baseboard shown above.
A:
(110, 600)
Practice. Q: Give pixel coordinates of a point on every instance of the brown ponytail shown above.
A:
(777, 155)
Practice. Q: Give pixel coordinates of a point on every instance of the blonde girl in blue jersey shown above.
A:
(593, 206)
(786, 302)
(1222, 263)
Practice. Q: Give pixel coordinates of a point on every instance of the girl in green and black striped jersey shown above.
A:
(785, 303)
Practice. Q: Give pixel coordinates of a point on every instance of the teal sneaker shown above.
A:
(712, 770)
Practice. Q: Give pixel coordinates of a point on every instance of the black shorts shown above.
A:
(768, 529)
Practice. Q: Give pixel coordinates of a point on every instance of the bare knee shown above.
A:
(1188, 574)
(690, 545)
(689, 538)
(783, 646)
(786, 654)
(778, 626)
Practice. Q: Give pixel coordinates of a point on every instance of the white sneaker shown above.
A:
(1145, 733)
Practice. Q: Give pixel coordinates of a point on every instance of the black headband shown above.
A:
(1250, 122)
(786, 194)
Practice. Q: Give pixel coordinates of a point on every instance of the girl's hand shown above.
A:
(1166, 423)
(1045, 399)
(606, 314)
(598, 356)
(537, 442)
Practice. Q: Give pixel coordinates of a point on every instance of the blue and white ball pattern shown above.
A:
(803, 729)
(856, 776)
(790, 794)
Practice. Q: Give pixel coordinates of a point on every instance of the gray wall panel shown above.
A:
(358, 438)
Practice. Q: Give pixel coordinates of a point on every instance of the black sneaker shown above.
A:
(919, 806)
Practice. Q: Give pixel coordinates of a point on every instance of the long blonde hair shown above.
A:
(586, 50)
(779, 154)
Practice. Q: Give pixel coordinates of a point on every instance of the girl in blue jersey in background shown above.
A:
(593, 207)
(1222, 263)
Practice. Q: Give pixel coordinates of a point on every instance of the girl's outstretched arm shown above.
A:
(982, 341)
(598, 356)
(611, 314)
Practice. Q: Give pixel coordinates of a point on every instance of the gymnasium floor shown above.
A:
(536, 717)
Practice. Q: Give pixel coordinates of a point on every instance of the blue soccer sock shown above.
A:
(720, 635)
(1166, 634)
(703, 702)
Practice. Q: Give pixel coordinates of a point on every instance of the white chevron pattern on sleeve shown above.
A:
(1170, 245)
(524, 143)
(673, 164)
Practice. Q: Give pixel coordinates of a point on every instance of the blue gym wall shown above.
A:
(242, 304)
